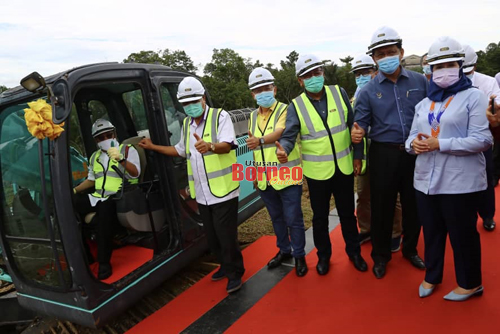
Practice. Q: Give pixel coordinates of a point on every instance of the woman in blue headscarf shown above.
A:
(449, 133)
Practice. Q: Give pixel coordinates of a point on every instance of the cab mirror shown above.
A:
(60, 100)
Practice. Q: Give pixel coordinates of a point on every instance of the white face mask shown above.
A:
(446, 77)
(107, 144)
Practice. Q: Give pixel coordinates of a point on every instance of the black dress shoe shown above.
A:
(379, 269)
(300, 266)
(359, 262)
(489, 224)
(323, 266)
(278, 259)
(416, 261)
(105, 271)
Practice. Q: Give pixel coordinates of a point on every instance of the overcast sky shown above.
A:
(52, 36)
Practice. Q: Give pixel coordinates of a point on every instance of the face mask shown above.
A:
(265, 99)
(107, 144)
(314, 84)
(194, 110)
(446, 77)
(388, 65)
(363, 80)
(470, 76)
(427, 69)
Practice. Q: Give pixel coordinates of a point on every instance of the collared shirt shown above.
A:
(488, 85)
(459, 165)
(292, 125)
(263, 117)
(225, 134)
(388, 108)
(132, 157)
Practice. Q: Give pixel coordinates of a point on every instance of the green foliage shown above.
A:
(3, 88)
(177, 60)
(488, 61)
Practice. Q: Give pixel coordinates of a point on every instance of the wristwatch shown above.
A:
(212, 147)
(411, 145)
(261, 141)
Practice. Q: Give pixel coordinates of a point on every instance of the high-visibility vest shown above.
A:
(317, 150)
(365, 143)
(107, 181)
(218, 167)
(270, 158)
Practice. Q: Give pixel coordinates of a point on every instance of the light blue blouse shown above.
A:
(459, 165)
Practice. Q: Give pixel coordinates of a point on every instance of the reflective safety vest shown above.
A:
(269, 158)
(365, 143)
(316, 145)
(107, 181)
(218, 167)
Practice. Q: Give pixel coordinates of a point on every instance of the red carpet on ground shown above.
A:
(124, 260)
(205, 294)
(348, 301)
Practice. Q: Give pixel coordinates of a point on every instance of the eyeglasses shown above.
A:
(365, 71)
(261, 89)
(104, 136)
(389, 53)
(314, 73)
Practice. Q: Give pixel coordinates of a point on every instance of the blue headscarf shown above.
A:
(438, 94)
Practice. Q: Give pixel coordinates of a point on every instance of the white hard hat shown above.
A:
(101, 126)
(383, 36)
(444, 50)
(362, 61)
(260, 77)
(190, 89)
(307, 63)
(470, 58)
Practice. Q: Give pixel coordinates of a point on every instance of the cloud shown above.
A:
(56, 35)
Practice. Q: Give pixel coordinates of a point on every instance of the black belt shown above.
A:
(400, 147)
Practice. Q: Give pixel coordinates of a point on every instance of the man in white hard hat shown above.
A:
(489, 87)
(426, 68)
(106, 165)
(322, 116)
(282, 200)
(386, 106)
(365, 69)
(208, 143)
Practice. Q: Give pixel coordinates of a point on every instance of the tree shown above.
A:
(488, 61)
(3, 88)
(177, 60)
(226, 79)
(286, 79)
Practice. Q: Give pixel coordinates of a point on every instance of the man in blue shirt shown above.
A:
(386, 105)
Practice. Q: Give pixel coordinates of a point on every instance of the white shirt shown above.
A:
(133, 158)
(488, 85)
(225, 134)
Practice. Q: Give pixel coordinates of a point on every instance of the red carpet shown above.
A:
(201, 297)
(347, 301)
(124, 260)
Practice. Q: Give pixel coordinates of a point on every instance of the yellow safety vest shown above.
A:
(270, 158)
(317, 150)
(107, 181)
(218, 167)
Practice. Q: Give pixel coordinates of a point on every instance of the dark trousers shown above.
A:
(391, 171)
(320, 192)
(105, 222)
(455, 215)
(284, 207)
(220, 222)
(487, 205)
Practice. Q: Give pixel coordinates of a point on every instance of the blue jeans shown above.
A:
(284, 207)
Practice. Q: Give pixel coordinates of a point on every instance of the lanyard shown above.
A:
(434, 121)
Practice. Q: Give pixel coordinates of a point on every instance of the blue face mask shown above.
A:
(314, 84)
(388, 65)
(265, 99)
(194, 109)
(363, 80)
(427, 69)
